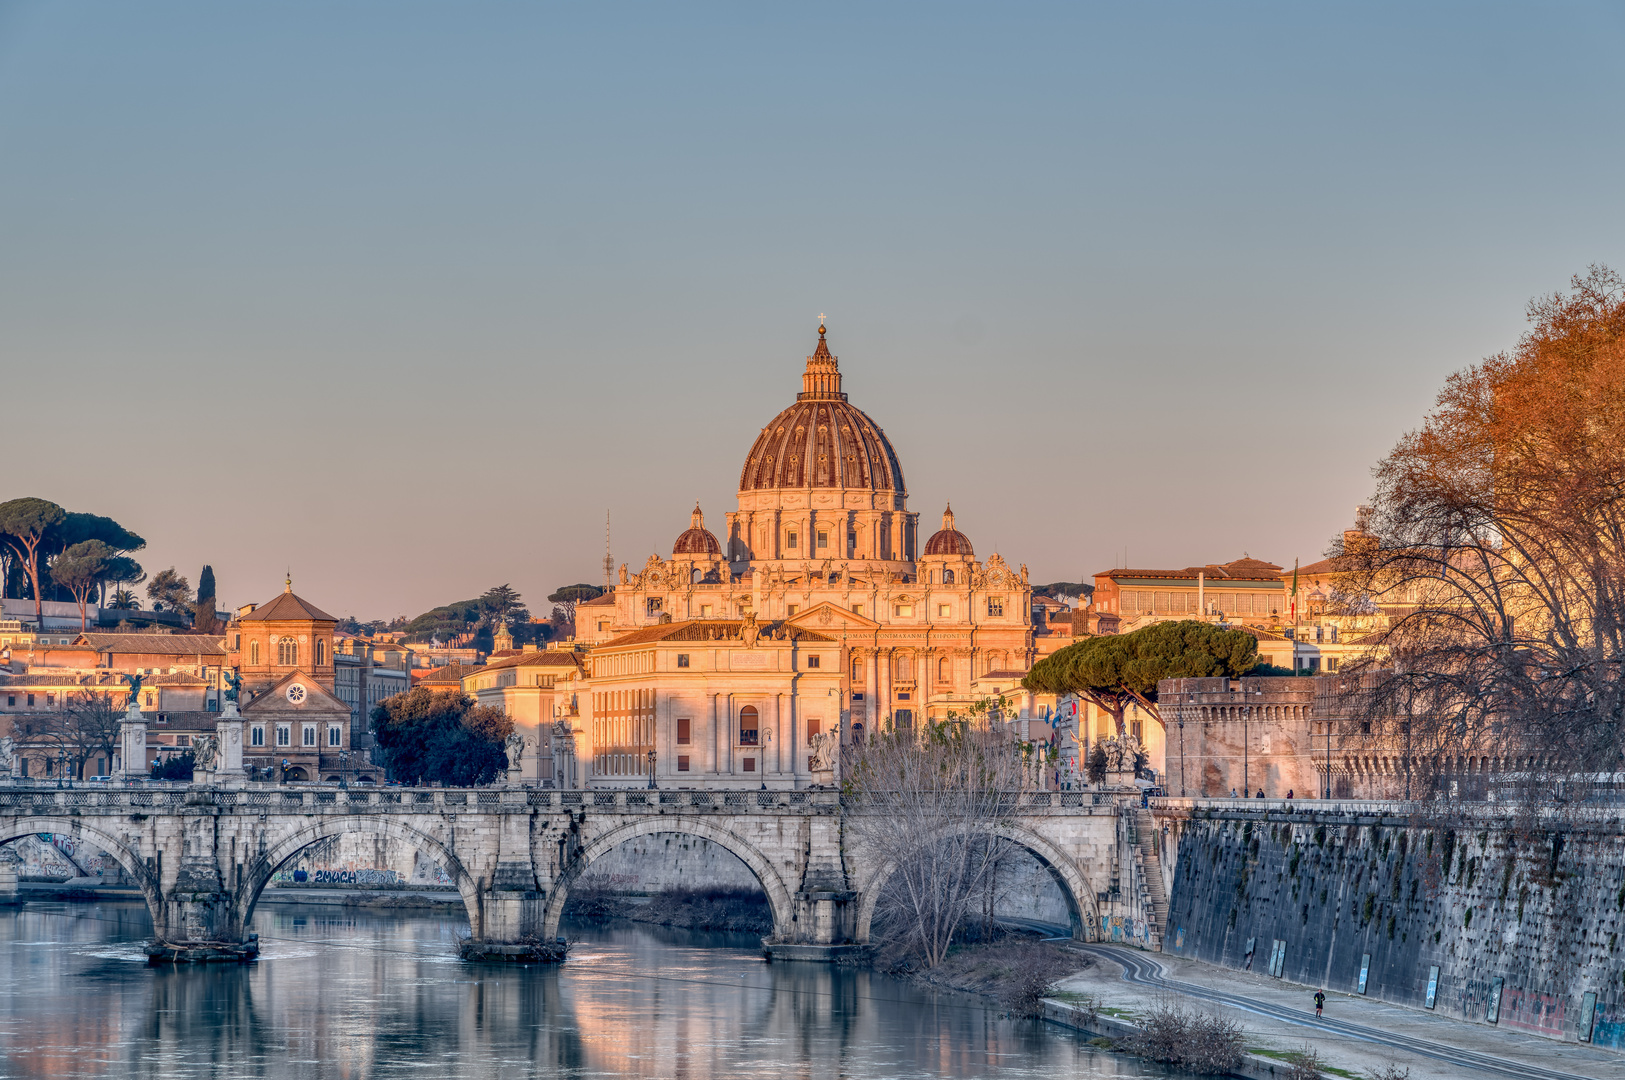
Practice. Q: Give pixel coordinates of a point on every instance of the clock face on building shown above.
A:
(296, 694)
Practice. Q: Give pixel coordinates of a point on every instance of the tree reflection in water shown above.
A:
(356, 994)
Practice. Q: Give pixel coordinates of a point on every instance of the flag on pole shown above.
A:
(1294, 590)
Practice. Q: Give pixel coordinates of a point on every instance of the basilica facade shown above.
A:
(818, 610)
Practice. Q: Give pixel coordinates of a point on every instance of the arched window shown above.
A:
(287, 652)
(748, 729)
(321, 652)
(254, 654)
(905, 668)
(942, 669)
(947, 577)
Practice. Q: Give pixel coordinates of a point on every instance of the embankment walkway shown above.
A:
(1357, 1036)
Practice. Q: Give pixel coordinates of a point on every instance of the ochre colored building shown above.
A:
(822, 563)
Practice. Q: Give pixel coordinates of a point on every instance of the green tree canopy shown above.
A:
(1061, 590)
(169, 591)
(203, 618)
(566, 597)
(81, 569)
(438, 736)
(24, 524)
(1115, 671)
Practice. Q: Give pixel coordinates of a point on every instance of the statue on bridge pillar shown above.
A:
(228, 737)
(132, 735)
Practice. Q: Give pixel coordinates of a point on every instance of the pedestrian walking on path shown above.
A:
(1320, 1001)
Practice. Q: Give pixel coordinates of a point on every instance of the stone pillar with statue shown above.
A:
(228, 734)
(132, 736)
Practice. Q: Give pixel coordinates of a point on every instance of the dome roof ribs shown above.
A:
(822, 441)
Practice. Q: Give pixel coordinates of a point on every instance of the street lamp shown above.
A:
(652, 785)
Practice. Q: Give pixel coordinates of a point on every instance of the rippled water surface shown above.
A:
(361, 994)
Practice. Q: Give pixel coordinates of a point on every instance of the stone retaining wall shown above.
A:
(1520, 925)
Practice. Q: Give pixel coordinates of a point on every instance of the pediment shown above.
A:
(316, 701)
(826, 616)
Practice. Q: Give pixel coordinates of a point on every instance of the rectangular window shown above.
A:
(682, 763)
(812, 662)
(183, 740)
(334, 738)
(750, 764)
(682, 659)
(791, 609)
(652, 607)
(683, 728)
(904, 696)
(24, 763)
(705, 611)
(1331, 663)
(31, 700)
(603, 626)
(791, 539)
(11, 701)
(995, 606)
(945, 611)
(903, 611)
(812, 729)
(310, 735)
(857, 609)
(257, 737)
(50, 699)
(284, 735)
(823, 539)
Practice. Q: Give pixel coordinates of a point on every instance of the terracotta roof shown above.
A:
(1003, 674)
(168, 644)
(605, 600)
(450, 675)
(711, 630)
(1239, 570)
(287, 607)
(539, 658)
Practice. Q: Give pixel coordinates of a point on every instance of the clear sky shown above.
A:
(406, 296)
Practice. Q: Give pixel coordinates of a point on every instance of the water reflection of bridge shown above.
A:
(381, 1000)
(202, 856)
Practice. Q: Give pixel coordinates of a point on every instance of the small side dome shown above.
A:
(949, 540)
(696, 540)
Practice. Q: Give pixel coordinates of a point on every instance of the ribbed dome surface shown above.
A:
(696, 539)
(949, 540)
(822, 441)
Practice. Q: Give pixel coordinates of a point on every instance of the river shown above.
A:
(354, 994)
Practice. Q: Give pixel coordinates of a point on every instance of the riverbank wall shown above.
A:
(1467, 915)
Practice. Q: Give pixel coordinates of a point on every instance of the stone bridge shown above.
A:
(202, 855)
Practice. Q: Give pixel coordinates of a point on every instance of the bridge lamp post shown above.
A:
(652, 785)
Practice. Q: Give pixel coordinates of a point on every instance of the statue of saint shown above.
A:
(826, 744)
(234, 686)
(203, 752)
(515, 743)
(134, 679)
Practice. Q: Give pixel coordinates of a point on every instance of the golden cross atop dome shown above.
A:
(820, 319)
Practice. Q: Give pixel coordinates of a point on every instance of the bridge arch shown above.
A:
(257, 874)
(130, 861)
(778, 896)
(1080, 898)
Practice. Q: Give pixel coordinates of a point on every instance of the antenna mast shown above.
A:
(609, 560)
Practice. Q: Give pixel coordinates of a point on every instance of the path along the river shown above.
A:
(1356, 1035)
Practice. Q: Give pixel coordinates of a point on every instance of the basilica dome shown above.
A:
(949, 540)
(822, 441)
(696, 539)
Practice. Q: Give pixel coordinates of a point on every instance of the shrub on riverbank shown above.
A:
(1013, 969)
(1198, 1041)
